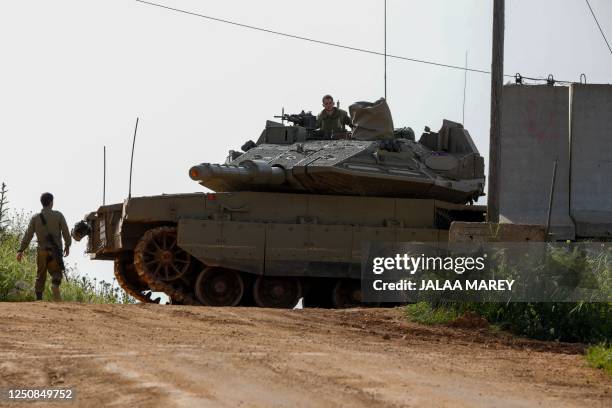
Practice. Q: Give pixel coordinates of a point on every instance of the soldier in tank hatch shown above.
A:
(332, 120)
(49, 226)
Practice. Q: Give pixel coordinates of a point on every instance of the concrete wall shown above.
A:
(591, 159)
(535, 132)
(541, 123)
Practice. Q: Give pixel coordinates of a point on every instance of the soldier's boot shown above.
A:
(56, 293)
(38, 295)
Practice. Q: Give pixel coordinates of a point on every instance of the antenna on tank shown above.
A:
(104, 180)
(132, 159)
(464, 86)
(282, 116)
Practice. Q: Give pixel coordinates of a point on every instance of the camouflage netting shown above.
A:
(372, 120)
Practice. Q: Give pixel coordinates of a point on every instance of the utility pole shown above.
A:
(385, 24)
(497, 79)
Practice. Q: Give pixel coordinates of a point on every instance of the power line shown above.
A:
(600, 29)
(331, 44)
(297, 37)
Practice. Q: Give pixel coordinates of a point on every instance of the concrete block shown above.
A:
(591, 160)
(488, 232)
(535, 132)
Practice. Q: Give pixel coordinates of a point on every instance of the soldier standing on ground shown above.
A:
(50, 226)
(332, 121)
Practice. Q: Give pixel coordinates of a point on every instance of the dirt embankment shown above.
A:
(167, 356)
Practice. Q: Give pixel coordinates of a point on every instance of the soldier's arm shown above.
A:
(319, 122)
(65, 232)
(27, 237)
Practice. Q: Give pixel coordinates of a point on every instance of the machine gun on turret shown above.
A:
(304, 119)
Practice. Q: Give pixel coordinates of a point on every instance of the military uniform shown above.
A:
(334, 123)
(55, 226)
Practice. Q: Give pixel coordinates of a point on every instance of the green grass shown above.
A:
(572, 322)
(584, 322)
(589, 323)
(600, 357)
(17, 278)
(425, 313)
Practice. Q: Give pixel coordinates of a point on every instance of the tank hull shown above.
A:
(314, 239)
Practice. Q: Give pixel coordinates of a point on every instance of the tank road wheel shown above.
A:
(164, 266)
(347, 293)
(129, 281)
(219, 287)
(160, 257)
(279, 292)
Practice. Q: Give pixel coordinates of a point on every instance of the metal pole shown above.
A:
(497, 77)
(464, 86)
(104, 180)
(550, 198)
(132, 159)
(385, 49)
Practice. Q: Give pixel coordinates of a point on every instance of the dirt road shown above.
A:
(180, 356)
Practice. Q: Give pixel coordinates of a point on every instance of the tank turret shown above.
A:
(444, 165)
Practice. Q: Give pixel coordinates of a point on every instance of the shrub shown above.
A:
(600, 357)
(572, 322)
(425, 313)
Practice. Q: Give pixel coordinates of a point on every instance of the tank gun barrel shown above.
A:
(249, 171)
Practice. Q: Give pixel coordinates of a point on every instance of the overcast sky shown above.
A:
(74, 75)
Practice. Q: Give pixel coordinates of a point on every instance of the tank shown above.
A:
(288, 215)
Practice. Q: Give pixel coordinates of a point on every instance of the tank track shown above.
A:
(180, 290)
(177, 293)
(127, 286)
